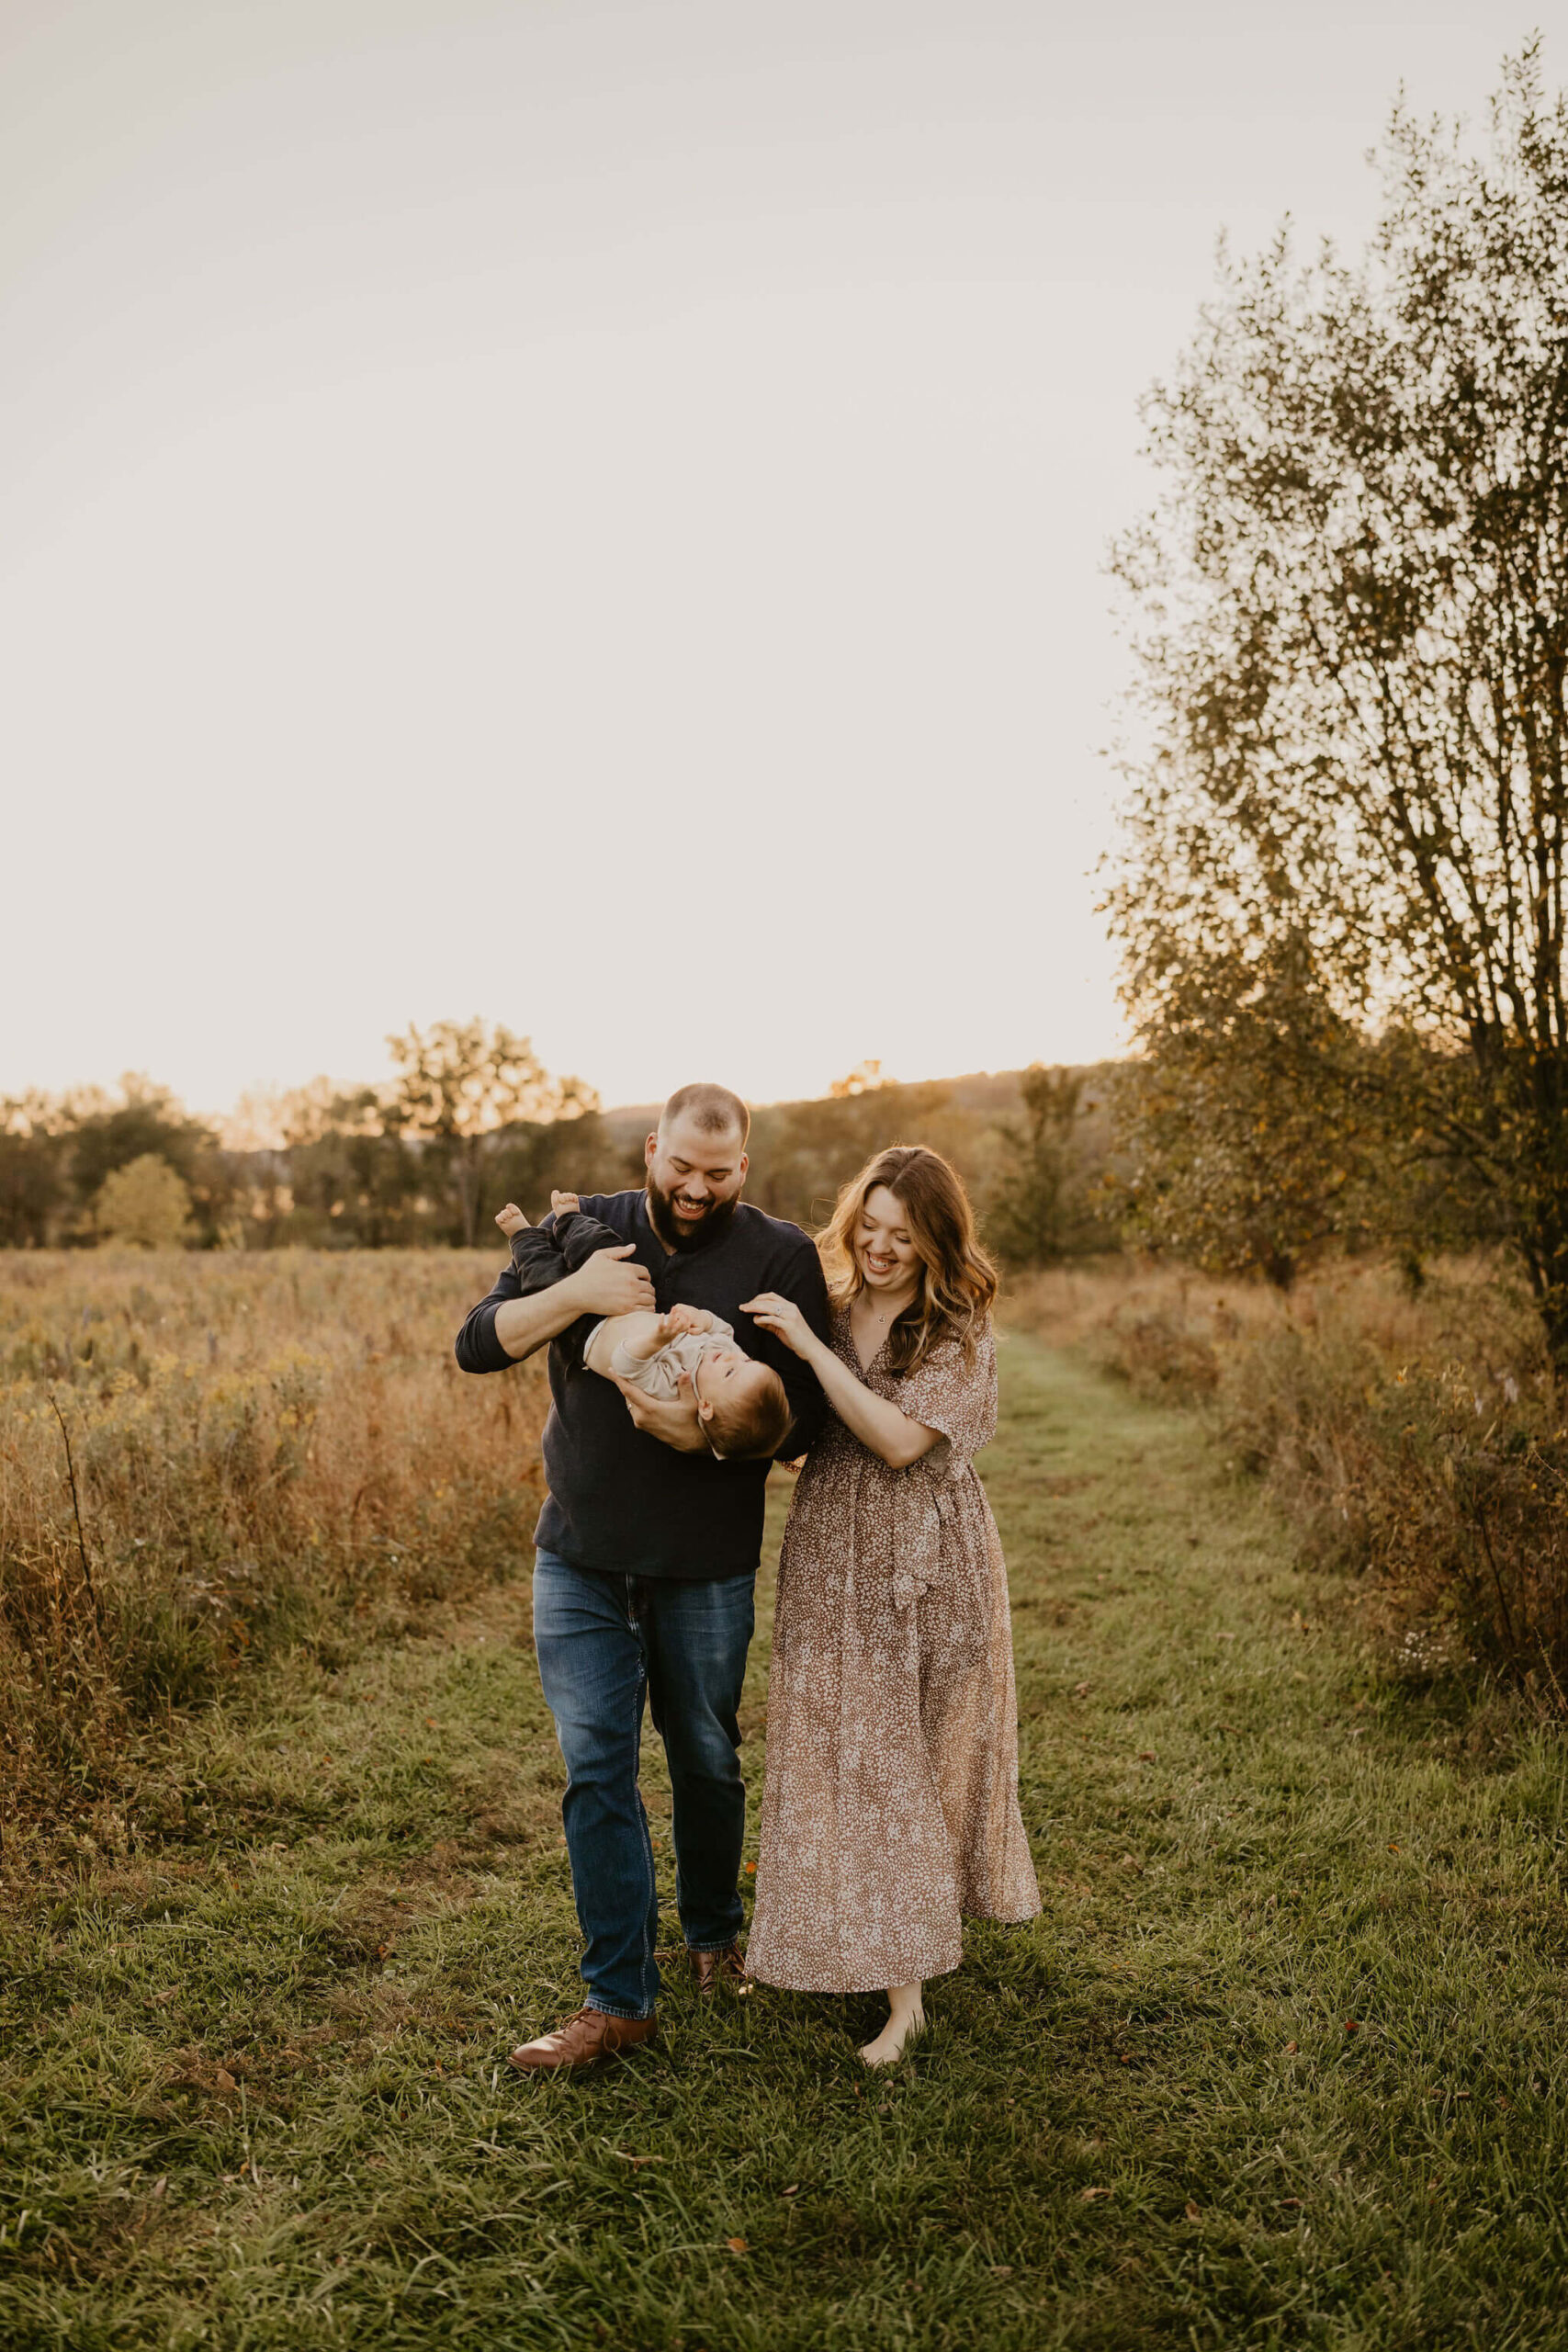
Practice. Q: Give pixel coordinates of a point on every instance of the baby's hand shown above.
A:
(688, 1318)
(565, 1204)
(511, 1220)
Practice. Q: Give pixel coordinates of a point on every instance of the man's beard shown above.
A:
(673, 1234)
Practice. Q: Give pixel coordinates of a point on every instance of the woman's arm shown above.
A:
(889, 1434)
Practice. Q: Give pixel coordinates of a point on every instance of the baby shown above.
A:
(688, 1354)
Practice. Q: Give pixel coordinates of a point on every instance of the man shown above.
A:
(647, 1559)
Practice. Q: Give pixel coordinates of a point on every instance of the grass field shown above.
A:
(1282, 2064)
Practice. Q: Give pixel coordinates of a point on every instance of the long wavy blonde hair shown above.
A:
(958, 1281)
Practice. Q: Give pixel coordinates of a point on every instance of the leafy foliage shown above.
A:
(1041, 1212)
(1251, 1122)
(459, 1084)
(146, 1202)
(1353, 637)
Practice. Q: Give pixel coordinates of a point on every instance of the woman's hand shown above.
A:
(773, 1312)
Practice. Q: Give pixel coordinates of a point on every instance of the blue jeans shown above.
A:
(603, 1643)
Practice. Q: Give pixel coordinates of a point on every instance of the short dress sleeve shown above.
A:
(956, 1394)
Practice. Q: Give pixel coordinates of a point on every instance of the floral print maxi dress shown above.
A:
(890, 1802)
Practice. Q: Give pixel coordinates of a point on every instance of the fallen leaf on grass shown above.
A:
(1194, 2211)
(431, 1723)
(1087, 2196)
(1291, 2048)
(1352, 2024)
(1080, 1690)
(1147, 1756)
(1290, 2204)
(736, 2245)
(792, 2190)
(1391, 1847)
(1001, 2270)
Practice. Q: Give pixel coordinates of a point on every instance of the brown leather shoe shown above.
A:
(583, 2040)
(711, 1969)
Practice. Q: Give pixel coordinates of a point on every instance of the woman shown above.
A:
(890, 1802)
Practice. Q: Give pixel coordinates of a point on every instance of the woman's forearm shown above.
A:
(890, 1434)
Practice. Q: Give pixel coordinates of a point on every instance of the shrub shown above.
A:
(146, 1202)
(1415, 1437)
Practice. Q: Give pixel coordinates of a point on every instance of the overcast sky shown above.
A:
(595, 516)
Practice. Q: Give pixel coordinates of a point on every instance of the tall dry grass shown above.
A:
(1416, 1438)
(204, 1458)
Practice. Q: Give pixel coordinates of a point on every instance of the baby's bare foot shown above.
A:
(511, 1220)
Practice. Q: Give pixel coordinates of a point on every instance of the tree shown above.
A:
(1251, 1121)
(459, 1084)
(146, 1202)
(147, 1121)
(352, 1178)
(1039, 1214)
(1352, 608)
(32, 1181)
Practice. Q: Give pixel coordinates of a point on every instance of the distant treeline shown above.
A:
(471, 1120)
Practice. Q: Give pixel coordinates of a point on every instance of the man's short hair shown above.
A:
(714, 1109)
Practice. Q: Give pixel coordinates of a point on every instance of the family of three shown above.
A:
(890, 1785)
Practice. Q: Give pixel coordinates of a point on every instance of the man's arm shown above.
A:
(505, 1328)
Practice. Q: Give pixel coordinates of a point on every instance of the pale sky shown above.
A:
(595, 516)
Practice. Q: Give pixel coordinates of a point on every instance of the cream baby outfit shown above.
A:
(660, 1375)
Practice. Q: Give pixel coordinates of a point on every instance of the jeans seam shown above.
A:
(607, 2008)
(648, 1947)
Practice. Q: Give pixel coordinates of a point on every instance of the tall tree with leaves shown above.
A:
(1039, 1214)
(1252, 1123)
(1353, 601)
(461, 1083)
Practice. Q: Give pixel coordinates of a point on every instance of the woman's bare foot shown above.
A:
(905, 2019)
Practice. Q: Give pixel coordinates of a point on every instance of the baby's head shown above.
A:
(740, 1403)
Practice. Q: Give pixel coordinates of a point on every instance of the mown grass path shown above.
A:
(1282, 2065)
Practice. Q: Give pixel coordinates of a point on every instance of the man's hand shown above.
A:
(606, 1285)
(672, 1420)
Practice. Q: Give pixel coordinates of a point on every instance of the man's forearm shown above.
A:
(524, 1326)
